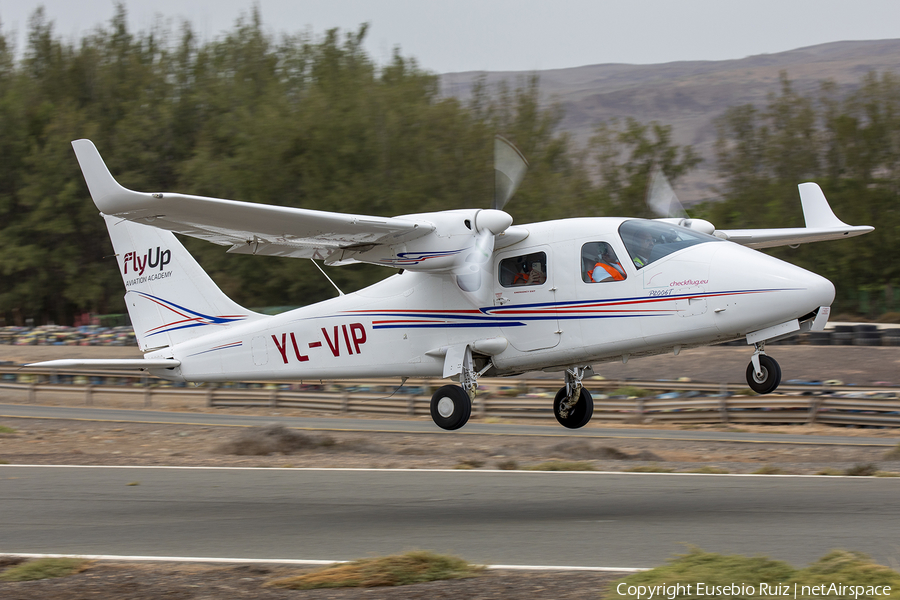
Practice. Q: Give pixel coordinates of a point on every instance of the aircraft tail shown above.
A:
(169, 296)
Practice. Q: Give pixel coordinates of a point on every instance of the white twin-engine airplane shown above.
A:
(476, 295)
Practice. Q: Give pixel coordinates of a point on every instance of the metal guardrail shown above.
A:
(506, 398)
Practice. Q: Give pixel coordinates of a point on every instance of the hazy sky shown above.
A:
(521, 35)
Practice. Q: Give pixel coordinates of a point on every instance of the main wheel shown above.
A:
(450, 407)
(579, 415)
(770, 377)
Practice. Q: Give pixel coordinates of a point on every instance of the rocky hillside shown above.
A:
(689, 95)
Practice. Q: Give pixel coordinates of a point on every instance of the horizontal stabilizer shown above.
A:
(108, 363)
(821, 225)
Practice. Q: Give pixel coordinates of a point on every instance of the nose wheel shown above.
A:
(573, 415)
(764, 377)
(573, 405)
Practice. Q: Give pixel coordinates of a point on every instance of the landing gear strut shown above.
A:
(763, 372)
(573, 405)
(451, 405)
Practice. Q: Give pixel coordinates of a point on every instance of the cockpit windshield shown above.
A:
(649, 241)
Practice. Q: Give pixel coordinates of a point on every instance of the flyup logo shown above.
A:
(151, 260)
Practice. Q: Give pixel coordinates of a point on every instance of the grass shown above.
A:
(5, 429)
(768, 470)
(654, 468)
(273, 439)
(839, 566)
(830, 471)
(399, 569)
(508, 465)
(470, 463)
(561, 465)
(862, 470)
(44, 568)
(711, 470)
(893, 454)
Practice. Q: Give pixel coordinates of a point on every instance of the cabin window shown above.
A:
(649, 241)
(527, 269)
(600, 264)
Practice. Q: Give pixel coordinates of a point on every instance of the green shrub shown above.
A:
(401, 569)
(839, 567)
(44, 568)
(866, 470)
(654, 468)
(562, 465)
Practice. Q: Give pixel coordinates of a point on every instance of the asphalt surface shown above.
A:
(422, 426)
(511, 518)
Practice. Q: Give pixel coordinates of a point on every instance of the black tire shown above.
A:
(771, 375)
(580, 414)
(450, 407)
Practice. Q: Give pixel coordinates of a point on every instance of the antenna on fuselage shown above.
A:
(321, 270)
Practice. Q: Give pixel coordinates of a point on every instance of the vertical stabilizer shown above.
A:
(170, 297)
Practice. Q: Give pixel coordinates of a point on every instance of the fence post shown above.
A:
(88, 395)
(411, 406)
(147, 397)
(345, 401)
(32, 393)
(723, 409)
(273, 398)
(209, 395)
(813, 410)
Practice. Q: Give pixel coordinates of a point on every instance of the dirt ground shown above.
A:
(141, 581)
(48, 441)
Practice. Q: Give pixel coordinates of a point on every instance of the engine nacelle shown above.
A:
(454, 233)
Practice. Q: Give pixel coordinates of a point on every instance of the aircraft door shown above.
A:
(525, 298)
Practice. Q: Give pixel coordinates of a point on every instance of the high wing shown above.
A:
(248, 228)
(821, 224)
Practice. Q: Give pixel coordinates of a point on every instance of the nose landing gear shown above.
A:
(573, 405)
(763, 372)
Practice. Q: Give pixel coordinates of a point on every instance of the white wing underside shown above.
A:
(248, 228)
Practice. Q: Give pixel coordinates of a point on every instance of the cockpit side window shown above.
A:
(527, 269)
(649, 241)
(599, 263)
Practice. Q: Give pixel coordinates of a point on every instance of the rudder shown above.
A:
(170, 298)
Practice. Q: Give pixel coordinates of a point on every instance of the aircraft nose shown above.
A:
(764, 290)
(819, 290)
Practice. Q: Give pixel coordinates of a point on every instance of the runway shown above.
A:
(505, 517)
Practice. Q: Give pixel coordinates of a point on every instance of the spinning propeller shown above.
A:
(664, 203)
(473, 267)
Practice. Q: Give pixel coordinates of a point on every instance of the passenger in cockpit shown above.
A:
(607, 267)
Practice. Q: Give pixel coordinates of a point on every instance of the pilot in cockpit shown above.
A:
(644, 243)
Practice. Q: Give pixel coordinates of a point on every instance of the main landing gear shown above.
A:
(573, 405)
(451, 405)
(763, 372)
